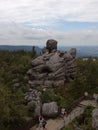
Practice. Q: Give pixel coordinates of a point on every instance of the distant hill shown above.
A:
(82, 51)
(16, 48)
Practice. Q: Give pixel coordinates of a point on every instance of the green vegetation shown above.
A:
(49, 96)
(13, 85)
(30, 109)
(13, 68)
(84, 121)
(69, 127)
(86, 79)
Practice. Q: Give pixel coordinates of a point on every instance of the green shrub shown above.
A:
(88, 111)
(84, 121)
(69, 127)
(48, 96)
(30, 110)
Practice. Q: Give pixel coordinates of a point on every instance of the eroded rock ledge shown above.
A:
(53, 67)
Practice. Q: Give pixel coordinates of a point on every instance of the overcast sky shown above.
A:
(33, 22)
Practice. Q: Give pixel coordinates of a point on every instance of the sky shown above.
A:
(33, 22)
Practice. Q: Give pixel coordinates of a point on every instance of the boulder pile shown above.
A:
(34, 97)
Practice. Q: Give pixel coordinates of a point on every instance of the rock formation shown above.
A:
(53, 67)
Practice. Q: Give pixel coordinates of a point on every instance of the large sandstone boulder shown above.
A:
(53, 67)
(50, 109)
(95, 119)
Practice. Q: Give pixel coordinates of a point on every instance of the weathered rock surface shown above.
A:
(95, 118)
(50, 109)
(33, 96)
(51, 45)
(53, 67)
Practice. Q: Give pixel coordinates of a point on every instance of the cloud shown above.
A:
(41, 12)
(33, 21)
(18, 35)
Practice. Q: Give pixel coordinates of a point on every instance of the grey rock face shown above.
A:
(95, 119)
(50, 109)
(53, 67)
(51, 45)
(33, 96)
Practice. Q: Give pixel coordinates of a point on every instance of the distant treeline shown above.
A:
(82, 51)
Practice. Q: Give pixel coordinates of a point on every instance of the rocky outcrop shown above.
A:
(50, 109)
(95, 119)
(33, 97)
(53, 67)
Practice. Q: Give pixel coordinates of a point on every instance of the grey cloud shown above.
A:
(38, 11)
(19, 35)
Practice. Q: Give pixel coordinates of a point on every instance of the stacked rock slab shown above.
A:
(53, 67)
